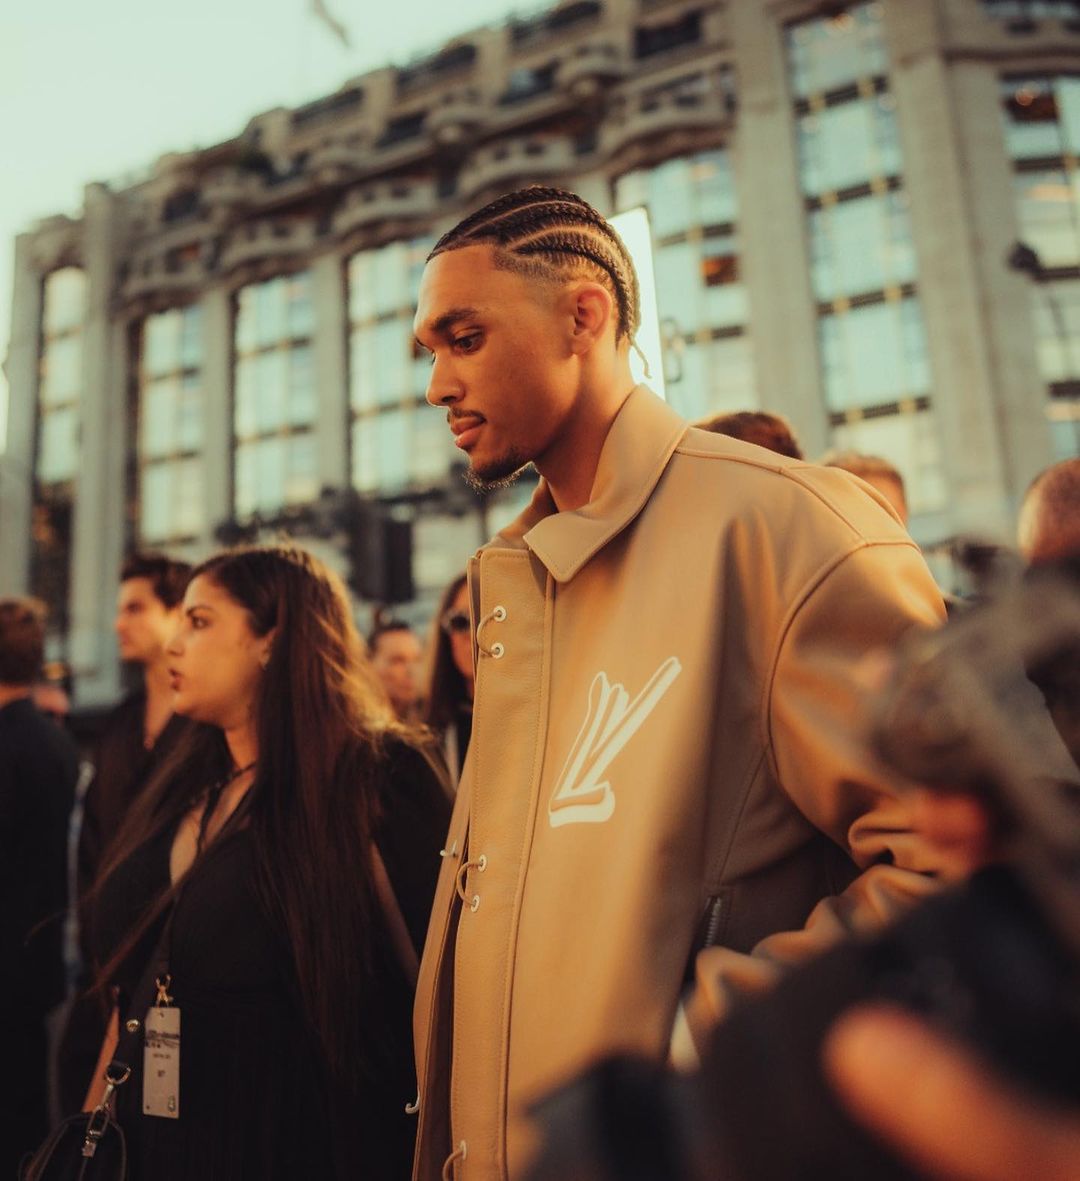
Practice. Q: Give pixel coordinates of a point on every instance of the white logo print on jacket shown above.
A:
(612, 719)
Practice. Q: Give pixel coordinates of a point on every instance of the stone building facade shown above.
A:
(834, 189)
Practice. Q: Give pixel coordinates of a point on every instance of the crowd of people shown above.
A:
(383, 951)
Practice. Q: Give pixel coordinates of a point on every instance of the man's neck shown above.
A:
(10, 693)
(569, 465)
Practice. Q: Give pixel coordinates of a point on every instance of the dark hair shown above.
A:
(167, 577)
(771, 431)
(321, 722)
(385, 628)
(22, 640)
(445, 684)
(553, 234)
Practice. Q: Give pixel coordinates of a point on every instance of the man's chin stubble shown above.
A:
(497, 475)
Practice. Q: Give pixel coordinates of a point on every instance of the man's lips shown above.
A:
(466, 429)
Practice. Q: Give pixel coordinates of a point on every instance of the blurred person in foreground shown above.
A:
(396, 655)
(662, 760)
(932, 1099)
(38, 773)
(448, 705)
(771, 431)
(936, 1101)
(288, 851)
(879, 473)
(135, 739)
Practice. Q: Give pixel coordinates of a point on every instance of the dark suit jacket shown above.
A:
(38, 771)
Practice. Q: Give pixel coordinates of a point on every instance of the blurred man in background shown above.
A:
(771, 431)
(38, 772)
(395, 655)
(1049, 525)
(878, 473)
(135, 738)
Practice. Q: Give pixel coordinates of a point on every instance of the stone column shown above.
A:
(98, 515)
(17, 461)
(949, 157)
(1017, 385)
(772, 228)
(217, 369)
(331, 369)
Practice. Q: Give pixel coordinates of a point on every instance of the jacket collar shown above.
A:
(639, 444)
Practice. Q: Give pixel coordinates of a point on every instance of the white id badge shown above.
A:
(161, 1063)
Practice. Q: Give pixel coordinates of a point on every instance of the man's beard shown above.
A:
(501, 473)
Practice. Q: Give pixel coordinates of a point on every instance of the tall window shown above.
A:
(1042, 129)
(275, 401)
(61, 376)
(699, 290)
(397, 440)
(872, 339)
(171, 507)
(57, 456)
(1023, 11)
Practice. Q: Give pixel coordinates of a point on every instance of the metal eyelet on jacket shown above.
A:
(459, 1153)
(480, 863)
(497, 650)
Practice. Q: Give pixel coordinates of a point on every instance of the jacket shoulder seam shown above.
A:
(794, 474)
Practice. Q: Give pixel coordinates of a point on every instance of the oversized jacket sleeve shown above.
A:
(814, 715)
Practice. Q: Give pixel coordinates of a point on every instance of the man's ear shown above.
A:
(593, 311)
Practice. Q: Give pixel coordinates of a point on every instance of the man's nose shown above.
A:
(443, 387)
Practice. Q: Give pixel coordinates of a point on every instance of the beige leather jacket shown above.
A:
(664, 755)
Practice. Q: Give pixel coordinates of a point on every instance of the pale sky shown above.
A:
(95, 89)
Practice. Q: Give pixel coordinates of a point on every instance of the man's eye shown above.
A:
(467, 343)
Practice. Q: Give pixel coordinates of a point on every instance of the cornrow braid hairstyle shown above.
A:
(548, 232)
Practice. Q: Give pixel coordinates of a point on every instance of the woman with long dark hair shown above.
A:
(278, 859)
(449, 696)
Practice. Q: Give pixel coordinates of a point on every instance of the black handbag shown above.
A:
(90, 1145)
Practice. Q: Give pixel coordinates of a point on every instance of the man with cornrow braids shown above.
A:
(665, 796)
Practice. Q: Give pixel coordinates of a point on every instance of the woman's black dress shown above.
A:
(255, 1097)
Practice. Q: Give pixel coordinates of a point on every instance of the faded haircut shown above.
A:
(554, 235)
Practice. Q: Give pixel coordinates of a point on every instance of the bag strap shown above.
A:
(157, 968)
(118, 1071)
(395, 920)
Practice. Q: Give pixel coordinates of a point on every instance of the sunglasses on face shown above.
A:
(455, 623)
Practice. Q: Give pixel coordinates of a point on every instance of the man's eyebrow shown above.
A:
(447, 320)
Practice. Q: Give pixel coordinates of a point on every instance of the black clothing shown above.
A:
(39, 768)
(256, 1099)
(122, 768)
